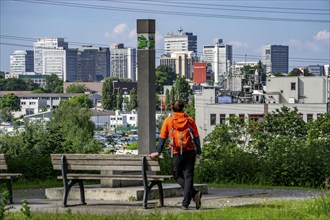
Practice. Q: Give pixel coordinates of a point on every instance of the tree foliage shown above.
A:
(133, 104)
(11, 102)
(71, 123)
(15, 84)
(190, 108)
(76, 88)
(167, 100)
(280, 150)
(182, 89)
(82, 100)
(119, 100)
(54, 84)
(108, 94)
(164, 76)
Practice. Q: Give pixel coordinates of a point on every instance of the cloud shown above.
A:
(238, 44)
(302, 46)
(120, 29)
(322, 35)
(121, 33)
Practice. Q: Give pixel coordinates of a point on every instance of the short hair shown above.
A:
(178, 106)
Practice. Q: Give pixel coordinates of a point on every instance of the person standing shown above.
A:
(184, 146)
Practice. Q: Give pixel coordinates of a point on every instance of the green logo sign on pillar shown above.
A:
(146, 41)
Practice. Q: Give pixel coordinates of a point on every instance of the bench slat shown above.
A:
(105, 167)
(105, 162)
(9, 175)
(117, 177)
(3, 165)
(97, 156)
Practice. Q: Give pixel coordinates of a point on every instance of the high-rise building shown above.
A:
(122, 62)
(180, 62)
(92, 63)
(71, 65)
(316, 70)
(276, 58)
(50, 56)
(21, 61)
(180, 42)
(220, 56)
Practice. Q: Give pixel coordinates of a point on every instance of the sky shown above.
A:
(303, 25)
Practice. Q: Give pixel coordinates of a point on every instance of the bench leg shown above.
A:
(161, 193)
(67, 188)
(66, 194)
(82, 192)
(10, 191)
(146, 193)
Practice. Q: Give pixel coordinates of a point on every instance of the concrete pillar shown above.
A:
(146, 86)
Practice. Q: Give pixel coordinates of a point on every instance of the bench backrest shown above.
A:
(3, 165)
(104, 162)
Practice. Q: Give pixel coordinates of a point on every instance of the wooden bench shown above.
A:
(143, 168)
(7, 177)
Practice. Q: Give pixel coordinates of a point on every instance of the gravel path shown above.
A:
(216, 198)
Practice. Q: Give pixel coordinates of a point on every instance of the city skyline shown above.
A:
(247, 25)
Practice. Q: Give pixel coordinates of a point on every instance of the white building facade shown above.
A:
(180, 42)
(220, 56)
(50, 56)
(21, 61)
(123, 62)
(310, 95)
(180, 62)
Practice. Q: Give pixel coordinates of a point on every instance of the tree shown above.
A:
(133, 104)
(167, 100)
(278, 74)
(30, 85)
(190, 108)
(10, 101)
(76, 88)
(182, 89)
(120, 99)
(172, 94)
(5, 114)
(54, 84)
(82, 100)
(107, 94)
(164, 76)
(295, 72)
(13, 84)
(126, 102)
(284, 121)
(72, 130)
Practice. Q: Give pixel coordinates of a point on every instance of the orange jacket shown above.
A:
(167, 126)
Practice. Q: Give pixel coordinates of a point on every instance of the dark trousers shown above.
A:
(183, 172)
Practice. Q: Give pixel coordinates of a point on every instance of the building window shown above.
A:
(213, 119)
(222, 118)
(256, 117)
(309, 117)
(293, 86)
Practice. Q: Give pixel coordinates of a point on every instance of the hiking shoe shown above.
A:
(184, 208)
(198, 200)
